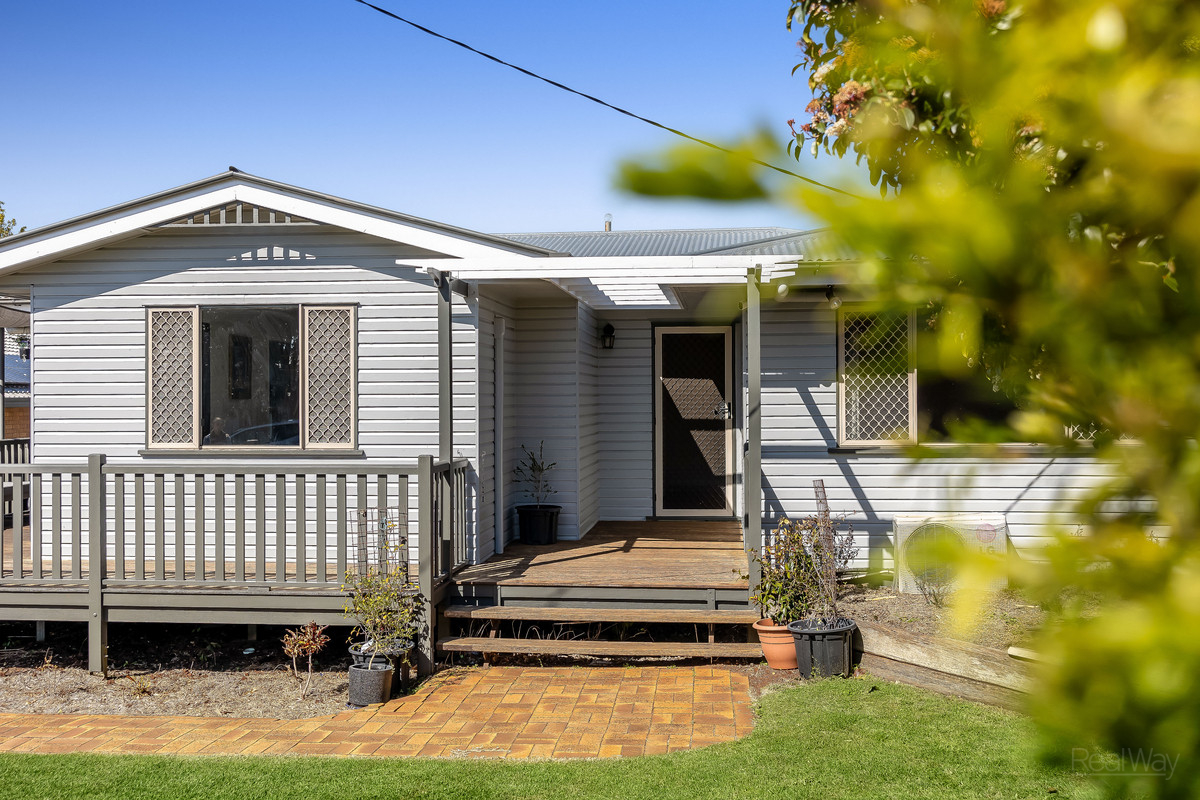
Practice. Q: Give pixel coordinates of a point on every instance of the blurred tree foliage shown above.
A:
(7, 224)
(1039, 173)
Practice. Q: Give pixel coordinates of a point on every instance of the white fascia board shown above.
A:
(626, 269)
(91, 232)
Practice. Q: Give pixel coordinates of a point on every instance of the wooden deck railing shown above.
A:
(167, 531)
(14, 451)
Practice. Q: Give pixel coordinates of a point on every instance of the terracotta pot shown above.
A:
(778, 645)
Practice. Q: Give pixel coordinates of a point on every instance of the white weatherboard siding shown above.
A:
(625, 389)
(543, 374)
(89, 364)
(589, 419)
(799, 401)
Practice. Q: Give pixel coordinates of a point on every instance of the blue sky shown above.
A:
(106, 102)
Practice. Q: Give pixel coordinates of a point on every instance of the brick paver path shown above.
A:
(505, 712)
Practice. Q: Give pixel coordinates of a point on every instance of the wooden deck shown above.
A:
(627, 555)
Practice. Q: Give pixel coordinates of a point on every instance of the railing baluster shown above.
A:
(322, 572)
(56, 536)
(341, 510)
(239, 527)
(35, 524)
(160, 527)
(280, 528)
(139, 527)
(77, 526)
(180, 529)
(361, 508)
(260, 532)
(200, 535)
(219, 527)
(119, 526)
(7, 478)
(301, 530)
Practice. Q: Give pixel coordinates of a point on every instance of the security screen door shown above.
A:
(694, 422)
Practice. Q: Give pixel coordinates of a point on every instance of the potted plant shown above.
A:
(781, 595)
(822, 636)
(387, 611)
(537, 522)
(793, 586)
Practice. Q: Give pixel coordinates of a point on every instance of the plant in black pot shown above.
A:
(823, 637)
(538, 522)
(387, 611)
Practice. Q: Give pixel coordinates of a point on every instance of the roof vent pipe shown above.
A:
(608, 223)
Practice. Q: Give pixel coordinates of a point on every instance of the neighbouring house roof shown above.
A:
(16, 365)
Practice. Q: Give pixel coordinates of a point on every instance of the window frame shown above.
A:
(305, 447)
(840, 344)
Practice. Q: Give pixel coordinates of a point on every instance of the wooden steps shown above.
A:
(590, 647)
(496, 615)
(702, 616)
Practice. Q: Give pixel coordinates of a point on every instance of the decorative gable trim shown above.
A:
(237, 214)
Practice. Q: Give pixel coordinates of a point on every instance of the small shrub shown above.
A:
(304, 642)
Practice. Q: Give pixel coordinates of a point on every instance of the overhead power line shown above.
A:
(598, 101)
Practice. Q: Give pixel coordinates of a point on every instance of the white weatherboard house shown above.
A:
(225, 373)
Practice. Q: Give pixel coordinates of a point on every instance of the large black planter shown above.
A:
(371, 684)
(538, 524)
(823, 652)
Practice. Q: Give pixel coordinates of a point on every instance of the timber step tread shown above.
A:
(734, 616)
(592, 647)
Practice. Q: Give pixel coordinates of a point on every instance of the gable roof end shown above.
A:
(133, 218)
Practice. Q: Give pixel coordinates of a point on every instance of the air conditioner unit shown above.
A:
(924, 542)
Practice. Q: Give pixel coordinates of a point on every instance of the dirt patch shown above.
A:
(1006, 619)
(169, 670)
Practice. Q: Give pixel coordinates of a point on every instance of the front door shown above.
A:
(693, 408)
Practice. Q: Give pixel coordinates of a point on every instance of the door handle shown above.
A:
(723, 411)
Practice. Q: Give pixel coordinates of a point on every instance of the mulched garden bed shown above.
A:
(209, 670)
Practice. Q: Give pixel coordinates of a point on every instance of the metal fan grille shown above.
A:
(929, 556)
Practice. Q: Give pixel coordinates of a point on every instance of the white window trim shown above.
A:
(196, 446)
(843, 441)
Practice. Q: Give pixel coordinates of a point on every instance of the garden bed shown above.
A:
(167, 669)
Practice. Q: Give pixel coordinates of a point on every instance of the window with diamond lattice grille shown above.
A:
(171, 377)
(329, 376)
(876, 402)
(263, 376)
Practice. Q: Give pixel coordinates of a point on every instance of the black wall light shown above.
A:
(608, 336)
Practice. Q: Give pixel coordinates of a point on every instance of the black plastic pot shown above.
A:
(371, 683)
(823, 652)
(391, 655)
(538, 524)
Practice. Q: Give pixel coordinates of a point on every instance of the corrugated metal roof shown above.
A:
(687, 242)
(818, 245)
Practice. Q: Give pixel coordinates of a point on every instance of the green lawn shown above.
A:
(833, 739)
